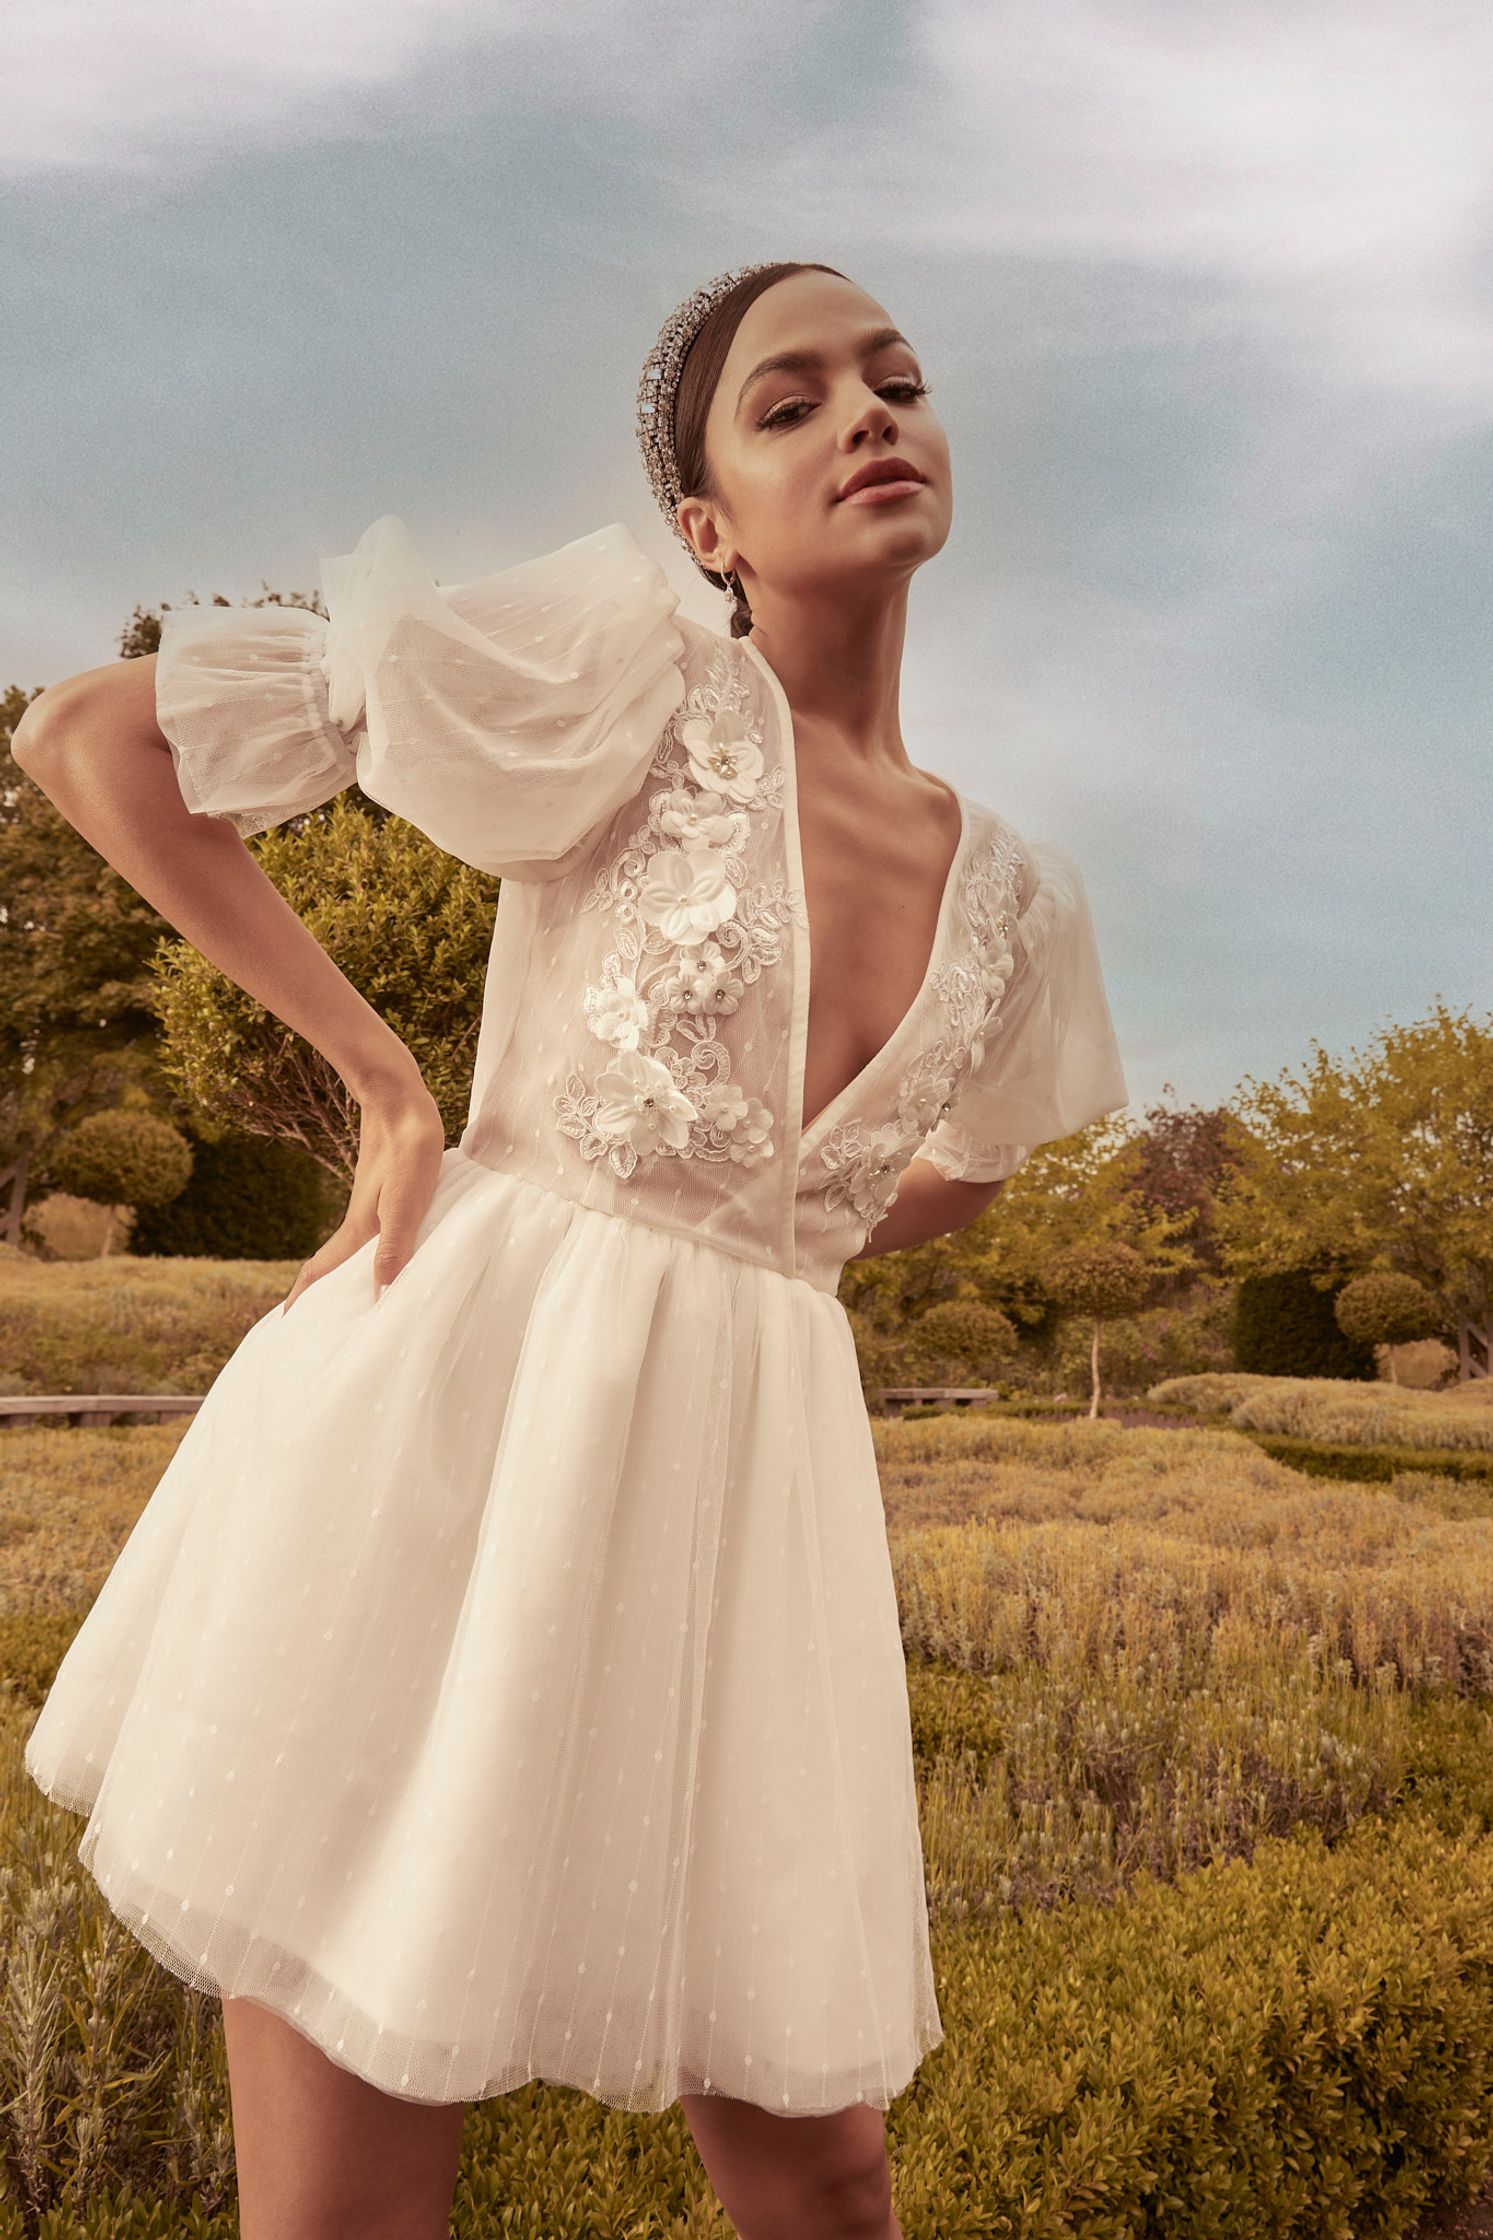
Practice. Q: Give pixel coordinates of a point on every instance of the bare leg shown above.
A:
(796, 2177)
(324, 2155)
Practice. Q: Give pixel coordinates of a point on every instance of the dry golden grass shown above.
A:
(1340, 1411)
(1168, 1646)
(127, 1325)
(68, 1499)
(1021, 1542)
(1130, 1651)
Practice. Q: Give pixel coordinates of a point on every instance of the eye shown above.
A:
(910, 389)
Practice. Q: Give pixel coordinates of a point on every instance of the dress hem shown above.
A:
(255, 1983)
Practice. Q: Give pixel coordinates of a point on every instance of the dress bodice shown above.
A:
(630, 774)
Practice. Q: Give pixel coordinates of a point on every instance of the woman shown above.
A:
(505, 1679)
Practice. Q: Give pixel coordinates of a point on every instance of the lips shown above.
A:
(882, 470)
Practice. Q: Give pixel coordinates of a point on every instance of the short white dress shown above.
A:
(504, 1680)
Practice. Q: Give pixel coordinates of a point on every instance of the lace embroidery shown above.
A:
(692, 934)
(864, 1161)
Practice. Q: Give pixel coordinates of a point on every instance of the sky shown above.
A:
(1205, 297)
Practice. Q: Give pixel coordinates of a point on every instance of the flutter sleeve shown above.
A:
(1047, 1062)
(506, 717)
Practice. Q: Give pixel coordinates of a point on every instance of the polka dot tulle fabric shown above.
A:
(504, 1679)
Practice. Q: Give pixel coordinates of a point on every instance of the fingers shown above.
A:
(394, 1246)
(399, 1226)
(395, 1229)
(318, 1265)
(340, 1246)
(403, 1204)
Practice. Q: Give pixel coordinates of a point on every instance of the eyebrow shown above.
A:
(804, 361)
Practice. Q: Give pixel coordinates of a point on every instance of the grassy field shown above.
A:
(127, 1325)
(1205, 1765)
(1333, 1409)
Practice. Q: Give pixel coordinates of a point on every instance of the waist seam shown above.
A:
(661, 1228)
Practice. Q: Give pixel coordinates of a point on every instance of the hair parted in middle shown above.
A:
(692, 400)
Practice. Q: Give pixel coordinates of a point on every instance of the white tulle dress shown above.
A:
(504, 1679)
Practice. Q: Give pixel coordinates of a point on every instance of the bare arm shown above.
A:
(94, 747)
(927, 1205)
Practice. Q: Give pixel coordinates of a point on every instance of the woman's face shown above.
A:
(783, 443)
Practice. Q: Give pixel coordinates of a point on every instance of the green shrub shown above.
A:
(249, 1198)
(1212, 1393)
(1383, 1307)
(955, 1342)
(1285, 1327)
(1310, 1421)
(1298, 2044)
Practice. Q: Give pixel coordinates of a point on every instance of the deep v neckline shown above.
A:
(789, 737)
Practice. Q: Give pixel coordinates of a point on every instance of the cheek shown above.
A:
(784, 518)
(795, 485)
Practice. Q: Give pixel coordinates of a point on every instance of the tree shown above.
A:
(1284, 1326)
(1383, 1164)
(958, 1341)
(411, 928)
(129, 1157)
(1178, 1161)
(1384, 1309)
(1106, 1277)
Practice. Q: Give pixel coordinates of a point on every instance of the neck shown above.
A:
(841, 671)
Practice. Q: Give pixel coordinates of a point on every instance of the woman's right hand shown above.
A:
(401, 1142)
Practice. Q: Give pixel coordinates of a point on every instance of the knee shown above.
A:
(814, 2177)
(851, 2197)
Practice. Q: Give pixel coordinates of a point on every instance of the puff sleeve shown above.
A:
(1047, 1062)
(506, 717)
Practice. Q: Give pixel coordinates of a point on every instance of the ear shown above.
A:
(698, 524)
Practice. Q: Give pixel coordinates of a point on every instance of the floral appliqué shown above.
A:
(692, 935)
(862, 1162)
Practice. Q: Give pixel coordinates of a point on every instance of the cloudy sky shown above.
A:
(1205, 296)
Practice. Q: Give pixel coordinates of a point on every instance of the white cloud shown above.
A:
(95, 86)
(1316, 182)
(101, 85)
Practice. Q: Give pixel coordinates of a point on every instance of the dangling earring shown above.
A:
(736, 593)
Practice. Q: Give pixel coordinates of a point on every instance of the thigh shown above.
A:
(322, 2153)
(802, 2174)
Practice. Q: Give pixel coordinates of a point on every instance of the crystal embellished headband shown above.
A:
(659, 385)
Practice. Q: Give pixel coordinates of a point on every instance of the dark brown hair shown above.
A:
(692, 400)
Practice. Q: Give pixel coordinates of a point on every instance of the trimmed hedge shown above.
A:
(1297, 2043)
(1316, 1458)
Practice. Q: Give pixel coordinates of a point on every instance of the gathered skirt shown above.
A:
(504, 1679)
